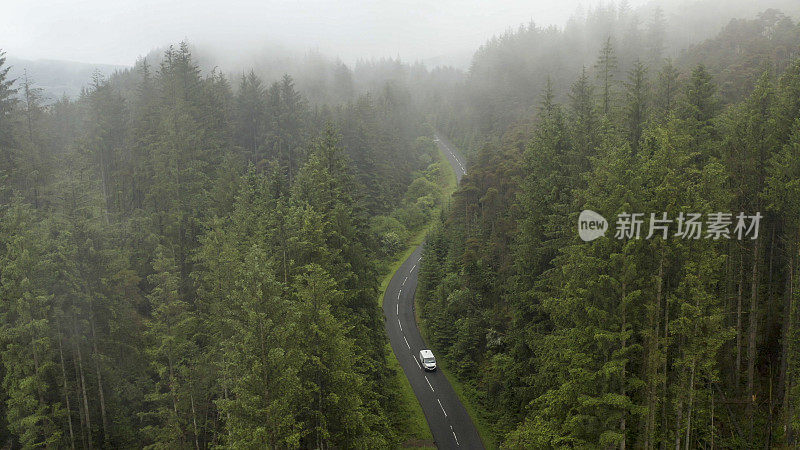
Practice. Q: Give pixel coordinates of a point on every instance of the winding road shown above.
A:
(447, 418)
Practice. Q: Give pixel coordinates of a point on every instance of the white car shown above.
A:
(427, 360)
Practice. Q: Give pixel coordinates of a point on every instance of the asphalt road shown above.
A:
(448, 419)
(457, 162)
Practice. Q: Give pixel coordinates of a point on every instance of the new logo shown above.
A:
(591, 225)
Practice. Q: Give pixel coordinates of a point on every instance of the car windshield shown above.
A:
(429, 360)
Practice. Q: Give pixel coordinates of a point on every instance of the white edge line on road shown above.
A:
(415, 360)
(440, 405)
(409, 347)
(429, 383)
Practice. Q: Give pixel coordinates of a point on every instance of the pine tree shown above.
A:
(34, 161)
(105, 131)
(333, 389)
(8, 101)
(637, 96)
(291, 116)
(584, 119)
(748, 143)
(666, 89)
(656, 34)
(701, 103)
(782, 193)
(172, 354)
(606, 67)
(262, 359)
(29, 368)
(251, 116)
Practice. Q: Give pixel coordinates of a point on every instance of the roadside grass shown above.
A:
(414, 425)
(474, 409)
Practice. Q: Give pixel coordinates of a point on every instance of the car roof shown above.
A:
(426, 353)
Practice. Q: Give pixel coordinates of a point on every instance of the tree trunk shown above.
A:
(788, 337)
(713, 432)
(785, 336)
(172, 387)
(652, 369)
(665, 360)
(689, 408)
(83, 384)
(80, 406)
(39, 394)
(66, 390)
(678, 419)
(194, 420)
(96, 358)
(622, 377)
(738, 372)
(751, 345)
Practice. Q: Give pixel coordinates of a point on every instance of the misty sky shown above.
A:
(118, 31)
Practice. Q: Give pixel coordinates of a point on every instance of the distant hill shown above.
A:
(58, 78)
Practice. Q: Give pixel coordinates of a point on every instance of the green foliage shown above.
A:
(185, 267)
(626, 343)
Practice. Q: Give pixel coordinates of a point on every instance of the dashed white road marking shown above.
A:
(404, 281)
(454, 437)
(429, 383)
(440, 405)
(401, 325)
(415, 360)
(404, 338)
(398, 309)
(412, 269)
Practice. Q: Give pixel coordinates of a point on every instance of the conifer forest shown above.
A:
(198, 247)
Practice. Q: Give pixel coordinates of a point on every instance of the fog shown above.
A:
(442, 32)
(251, 223)
(117, 32)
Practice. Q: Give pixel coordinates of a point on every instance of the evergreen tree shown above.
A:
(104, 140)
(333, 403)
(7, 102)
(33, 408)
(251, 115)
(33, 159)
(636, 111)
(782, 194)
(584, 118)
(666, 89)
(172, 354)
(606, 67)
(656, 34)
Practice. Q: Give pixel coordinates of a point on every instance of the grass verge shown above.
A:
(474, 409)
(415, 427)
